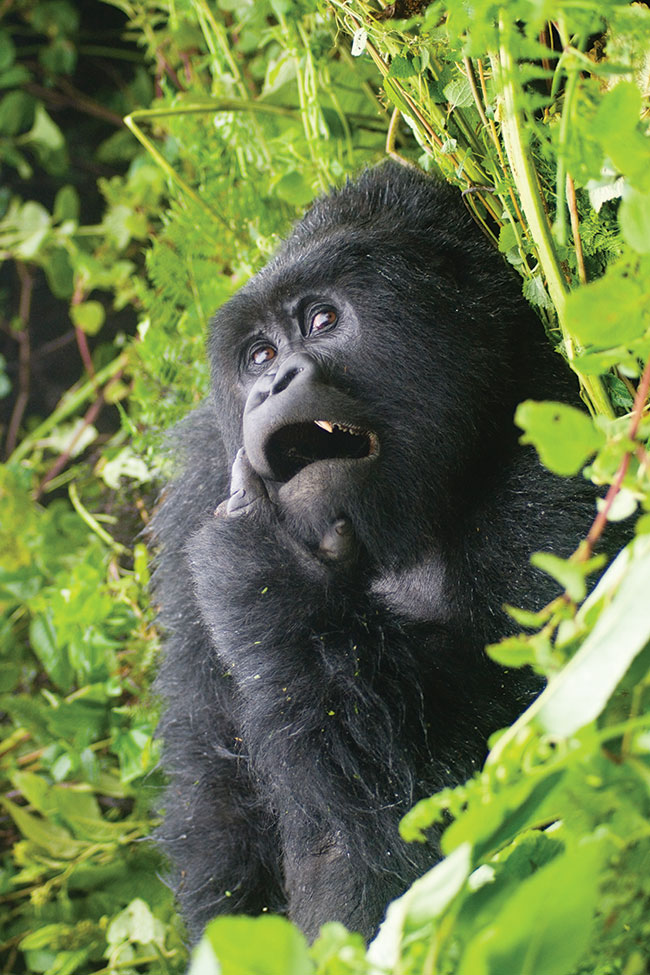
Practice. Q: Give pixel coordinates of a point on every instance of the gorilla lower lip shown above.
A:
(294, 447)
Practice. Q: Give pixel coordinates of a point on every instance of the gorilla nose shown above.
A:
(297, 363)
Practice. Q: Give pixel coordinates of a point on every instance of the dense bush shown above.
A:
(116, 250)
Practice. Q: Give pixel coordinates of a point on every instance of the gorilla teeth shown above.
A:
(324, 425)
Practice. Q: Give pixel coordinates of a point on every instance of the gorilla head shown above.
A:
(354, 510)
(373, 364)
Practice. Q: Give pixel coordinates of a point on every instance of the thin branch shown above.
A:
(598, 526)
(70, 403)
(89, 418)
(575, 228)
(69, 97)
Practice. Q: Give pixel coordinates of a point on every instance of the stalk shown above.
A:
(525, 179)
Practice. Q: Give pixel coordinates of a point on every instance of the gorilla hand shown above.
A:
(247, 491)
(249, 494)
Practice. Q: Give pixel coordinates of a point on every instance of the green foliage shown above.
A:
(244, 111)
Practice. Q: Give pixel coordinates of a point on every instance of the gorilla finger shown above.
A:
(244, 479)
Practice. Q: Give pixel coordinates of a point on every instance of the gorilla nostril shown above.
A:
(285, 378)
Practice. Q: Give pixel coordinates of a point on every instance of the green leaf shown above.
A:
(490, 825)
(265, 945)
(66, 205)
(545, 926)
(88, 316)
(43, 832)
(338, 951)
(617, 126)
(36, 790)
(563, 436)
(535, 292)
(42, 636)
(418, 908)
(136, 924)
(580, 692)
(60, 276)
(401, 67)
(7, 51)
(204, 961)
(459, 93)
(609, 311)
(570, 575)
(514, 651)
(16, 112)
(634, 219)
(294, 189)
(45, 133)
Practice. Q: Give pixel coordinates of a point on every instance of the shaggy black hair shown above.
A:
(324, 659)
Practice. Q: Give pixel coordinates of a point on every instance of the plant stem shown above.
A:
(209, 107)
(69, 405)
(525, 179)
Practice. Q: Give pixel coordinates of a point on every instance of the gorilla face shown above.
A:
(342, 368)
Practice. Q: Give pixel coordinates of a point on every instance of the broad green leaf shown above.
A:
(338, 951)
(204, 961)
(45, 132)
(617, 127)
(7, 50)
(265, 945)
(401, 67)
(488, 826)
(16, 111)
(545, 926)
(88, 316)
(634, 219)
(43, 832)
(36, 790)
(580, 692)
(607, 312)
(60, 276)
(294, 189)
(43, 639)
(45, 936)
(418, 908)
(563, 436)
(459, 93)
(535, 291)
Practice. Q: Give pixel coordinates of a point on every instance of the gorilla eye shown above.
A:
(260, 354)
(321, 320)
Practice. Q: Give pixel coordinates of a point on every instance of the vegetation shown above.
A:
(116, 249)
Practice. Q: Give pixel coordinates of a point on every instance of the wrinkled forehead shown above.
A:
(340, 265)
(329, 267)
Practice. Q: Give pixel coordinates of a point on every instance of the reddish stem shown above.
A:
(80, 335)
(600, 521)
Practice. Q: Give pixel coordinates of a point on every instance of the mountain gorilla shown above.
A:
(352, 511)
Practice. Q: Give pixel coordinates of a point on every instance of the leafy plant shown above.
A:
(243, 111)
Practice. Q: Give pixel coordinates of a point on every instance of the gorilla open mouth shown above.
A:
(294, 447)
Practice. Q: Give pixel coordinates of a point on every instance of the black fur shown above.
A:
(324, 662)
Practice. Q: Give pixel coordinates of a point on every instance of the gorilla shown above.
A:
(352, 509)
